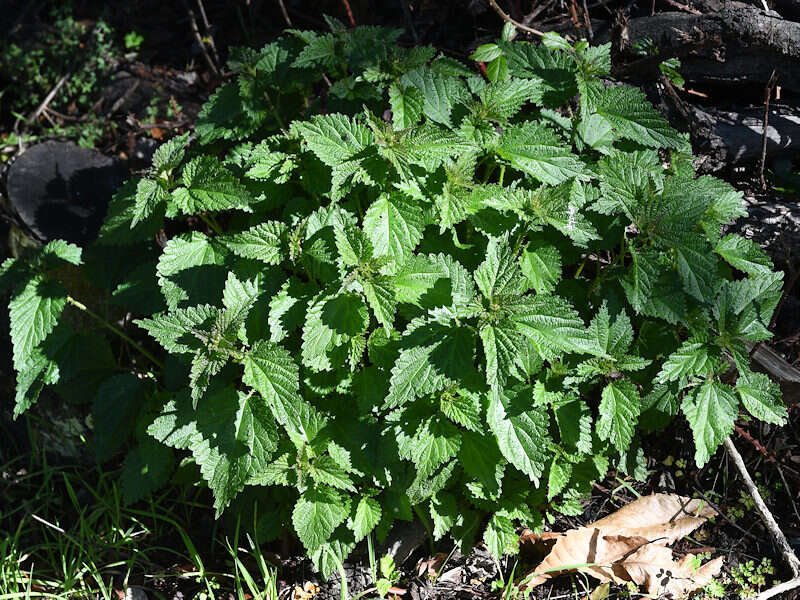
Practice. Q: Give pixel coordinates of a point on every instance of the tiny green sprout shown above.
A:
(133, 40)
(389, 575)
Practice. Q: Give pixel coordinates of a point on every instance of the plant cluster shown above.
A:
(383, 283)
(32, 65)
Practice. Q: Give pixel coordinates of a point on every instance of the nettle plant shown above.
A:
(384, 282)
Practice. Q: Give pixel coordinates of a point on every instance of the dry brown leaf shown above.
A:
(431, 565)
(616, 548)
(654, 570)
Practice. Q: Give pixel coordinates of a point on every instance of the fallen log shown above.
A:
(736, 43)
(733, 138)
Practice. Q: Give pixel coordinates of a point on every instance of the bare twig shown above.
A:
(207, 25)
(349, 12)
(588, 21)
(199, 38)
(285, 13)
(49, 98)
(779, 589)
(508, 19)
(766, 515)
(683, 7)
(124, 98)
(773, 79)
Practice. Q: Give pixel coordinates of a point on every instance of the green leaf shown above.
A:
(231, 436)
(692, 358)
(320, 52)
(481, 459)
(462, 408)
(55, 252)
(270, 166)
(34, 311)
(273, 373)
(558, 477)
(554, 71)
(325, 470)
(331, 322)
(499, 274)
(287, 308)
(501, 536)
(181, 278)
(114, 413)
(640, 280)
(697, 268)
(711, 410)
(520, 430)
(634, 118)
(503, 346)
(334, 138)
(444, 513)
(353, 246)
(744, 254)
(615, 338)
(439, 93)
(619, 410)
(267, 242)
(434, 443)
(434, 356)
(536, 150)
(574, 421)
(150, 195)
(170, 154)
(762, 398)
(175, 330)
(379, 292)
(367, 517)
(210, 187)
(394, 224)
(504, 99)
(551, 324)
(147, 468)
(406, 103)
(486, 53)
(318, 512)
(541, 264)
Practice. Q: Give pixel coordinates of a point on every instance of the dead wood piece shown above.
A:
(773, 80)
(754, 42)
(732, 138)
(773, 362)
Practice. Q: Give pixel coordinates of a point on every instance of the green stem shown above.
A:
(580, 269)
(274, 111)
(212, 223)
(502, 174)
(116, 330)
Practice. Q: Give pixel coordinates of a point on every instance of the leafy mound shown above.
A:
(384, 283)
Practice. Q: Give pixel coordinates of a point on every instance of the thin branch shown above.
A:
(49, 98)
(81, 306)
(766, 515)
(349, 12)
(679, 6)
(285, 13)
(207, 25)
(199, 38)
(773, 79)
(779, 589)
(507, 18)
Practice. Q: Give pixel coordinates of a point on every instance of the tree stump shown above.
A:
(60, 190)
